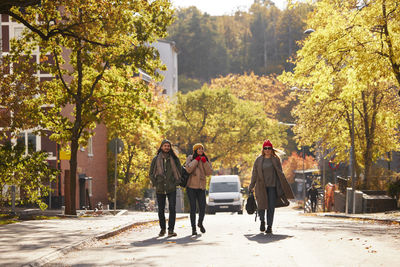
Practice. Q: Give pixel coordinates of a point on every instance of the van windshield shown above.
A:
(224, 187)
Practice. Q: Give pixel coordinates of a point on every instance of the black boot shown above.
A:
(262, 226)
(269, 230)
(202, 229)
(194, 232)
(171, 233)
(162, 232)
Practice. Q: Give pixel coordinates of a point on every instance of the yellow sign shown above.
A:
(65, 155)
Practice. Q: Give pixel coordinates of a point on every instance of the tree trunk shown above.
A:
(129, 163)
(75, 134)
(369, 131)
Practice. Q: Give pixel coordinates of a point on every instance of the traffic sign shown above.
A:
(116, 145)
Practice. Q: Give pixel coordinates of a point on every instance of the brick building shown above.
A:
(92, 160)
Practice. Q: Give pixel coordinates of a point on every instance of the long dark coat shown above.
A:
(283, 189)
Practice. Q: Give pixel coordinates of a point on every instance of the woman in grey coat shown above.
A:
(271, 187)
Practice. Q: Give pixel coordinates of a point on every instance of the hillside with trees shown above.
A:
(260, 40)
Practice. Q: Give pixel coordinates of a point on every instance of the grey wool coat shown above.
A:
(283, 189)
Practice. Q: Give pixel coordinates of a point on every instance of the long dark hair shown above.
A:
(195, 155)
(171, 151)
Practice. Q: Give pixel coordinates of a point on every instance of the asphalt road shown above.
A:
(235, 240)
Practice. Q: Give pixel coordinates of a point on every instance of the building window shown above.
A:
(30, 141)
(90, 147)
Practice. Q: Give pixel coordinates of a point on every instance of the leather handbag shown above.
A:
(184, 177)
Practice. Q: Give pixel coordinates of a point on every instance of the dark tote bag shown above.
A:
(251, 205)
(184, 177)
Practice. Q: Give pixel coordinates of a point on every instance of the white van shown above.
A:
(225, 194)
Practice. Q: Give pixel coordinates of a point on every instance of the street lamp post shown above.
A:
(304, 175)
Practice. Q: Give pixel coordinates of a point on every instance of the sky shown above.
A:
(222, 7)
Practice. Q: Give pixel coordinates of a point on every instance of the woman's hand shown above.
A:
(198, 158)
(203, 159)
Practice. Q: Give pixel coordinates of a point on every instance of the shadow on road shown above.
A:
(263, 238)
(186, 240)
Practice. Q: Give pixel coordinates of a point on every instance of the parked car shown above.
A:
(225, 194)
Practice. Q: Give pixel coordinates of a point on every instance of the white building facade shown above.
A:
(169, 57)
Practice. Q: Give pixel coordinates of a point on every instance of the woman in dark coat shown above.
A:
(271, 187)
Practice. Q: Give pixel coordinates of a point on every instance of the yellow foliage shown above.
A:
(352, 57)
(267, 90)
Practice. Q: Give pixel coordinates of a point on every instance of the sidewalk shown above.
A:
(384, 217)
(36, 242)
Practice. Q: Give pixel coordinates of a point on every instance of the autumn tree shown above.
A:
(141, 137)
(18, 105)
(7, 5)
(96, 47)
(266, 90)
(231, 129)
(349, 60)
(295, 162)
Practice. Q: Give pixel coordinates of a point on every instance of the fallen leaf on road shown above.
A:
(170, 242)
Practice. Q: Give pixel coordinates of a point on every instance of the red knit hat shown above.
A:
(267, 143)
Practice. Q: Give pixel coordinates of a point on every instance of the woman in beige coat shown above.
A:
(271, 187)
(199, 166)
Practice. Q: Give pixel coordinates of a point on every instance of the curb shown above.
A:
(62, 251)
(361, 218)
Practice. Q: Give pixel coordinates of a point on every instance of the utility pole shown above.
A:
(304, 182)
(323, 179)
(352, 157)
(115, 176)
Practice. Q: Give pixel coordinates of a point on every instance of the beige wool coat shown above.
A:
(198, 172)
(283, 189)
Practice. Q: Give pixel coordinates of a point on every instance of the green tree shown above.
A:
(103, 43)
(289, 30)
(231, 129)
(30, 173)
(202, 54)
(263, 43)
(235, 33)
(187, 84)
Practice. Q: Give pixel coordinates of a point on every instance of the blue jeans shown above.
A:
(271, 195)
(172, 209)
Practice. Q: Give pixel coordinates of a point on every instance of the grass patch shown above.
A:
(42, 217)
(8, 219)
